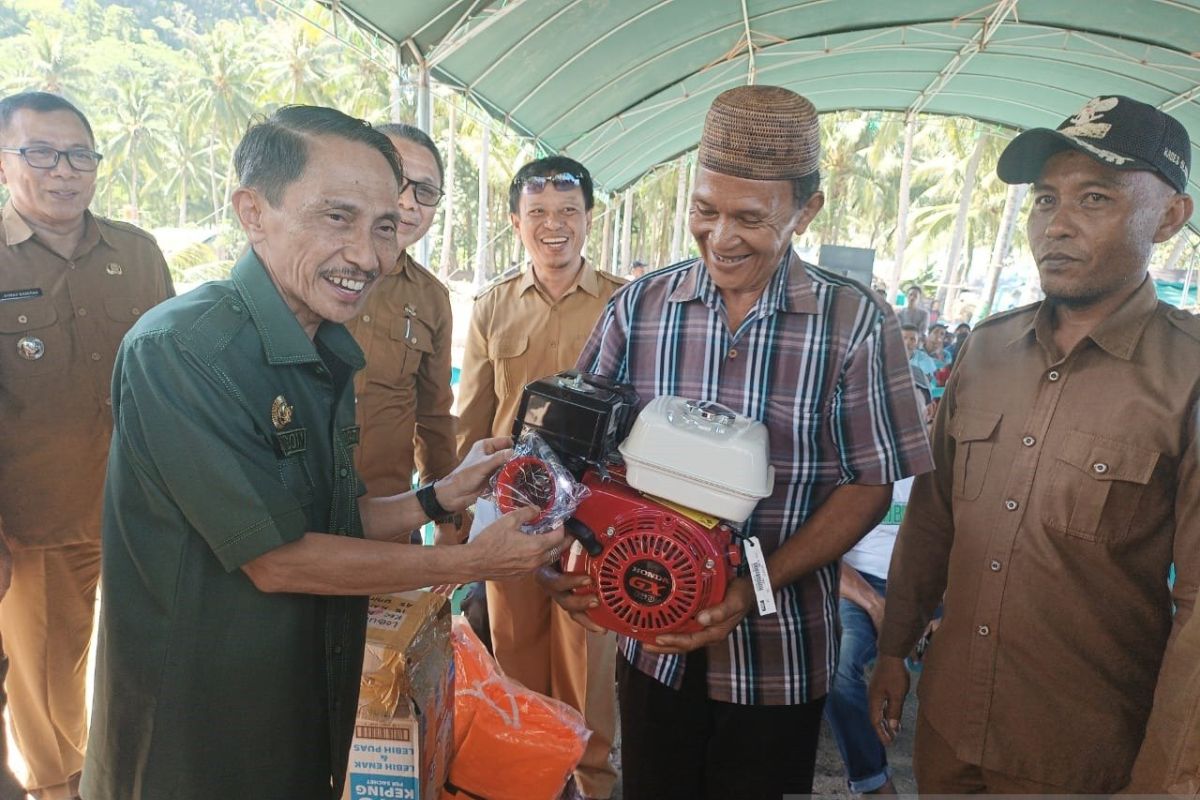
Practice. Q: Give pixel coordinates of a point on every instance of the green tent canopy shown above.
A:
(623, 85)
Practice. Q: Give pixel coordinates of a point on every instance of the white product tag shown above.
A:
(486, 513)
(759, 578)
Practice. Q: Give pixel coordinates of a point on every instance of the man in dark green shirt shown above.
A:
(237, 554)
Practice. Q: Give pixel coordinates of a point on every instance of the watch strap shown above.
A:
(430, 505)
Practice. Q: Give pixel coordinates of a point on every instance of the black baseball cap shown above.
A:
(1115, 130)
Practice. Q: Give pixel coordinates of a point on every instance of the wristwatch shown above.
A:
(432, 508)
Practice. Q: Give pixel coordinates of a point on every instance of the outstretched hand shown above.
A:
(503, 550)
(463, 486)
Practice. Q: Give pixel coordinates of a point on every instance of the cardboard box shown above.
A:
(403, 737)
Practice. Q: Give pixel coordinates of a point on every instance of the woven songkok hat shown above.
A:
(765, 133)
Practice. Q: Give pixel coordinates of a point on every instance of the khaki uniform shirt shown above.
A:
(61, 321)
(518, 334)
(1065, 486)
(404, 394)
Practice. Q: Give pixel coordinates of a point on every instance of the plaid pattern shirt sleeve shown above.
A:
(820, 362)
(872, 409)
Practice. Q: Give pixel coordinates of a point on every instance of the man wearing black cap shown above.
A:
(1067, 482)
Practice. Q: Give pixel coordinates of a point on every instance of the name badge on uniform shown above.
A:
(20, 294)
(292, 442)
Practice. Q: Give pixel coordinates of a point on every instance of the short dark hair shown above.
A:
(908, 326)
(805, 187)
(402, 130)
(42, 102)
(274, 151)
(915, 287)
(545, 168)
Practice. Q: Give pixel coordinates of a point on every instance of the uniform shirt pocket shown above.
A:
(509, 354)
(973, 432)
(1096, 485)
(415, 339)
(295, 475)
(31, 340)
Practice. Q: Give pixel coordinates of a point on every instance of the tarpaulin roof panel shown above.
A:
(624, 84)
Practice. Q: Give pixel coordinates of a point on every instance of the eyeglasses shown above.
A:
(47, 157)
(562, 182)
(425, 194)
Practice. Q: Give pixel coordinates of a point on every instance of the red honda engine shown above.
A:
(654, 567)
(654, 563)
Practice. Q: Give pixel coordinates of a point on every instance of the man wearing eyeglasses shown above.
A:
(404, 330)
(71, 285)
(523, 327)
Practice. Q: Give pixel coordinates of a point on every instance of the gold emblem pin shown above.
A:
(31, 348)
(281, 413)
(114, 268)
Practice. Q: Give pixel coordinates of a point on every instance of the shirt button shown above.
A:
(82, 312)
(995, 565)
(22, 319)
(95, 356)
(733, 352)
(1011, 505)
(71, 264)
(366, 317)
(1053, 375)
(108, 401)
(984, 630)
(1100, 467)
(337, 649)
(135, 311)
(343, 472)
(235, 308)
(1029, 441)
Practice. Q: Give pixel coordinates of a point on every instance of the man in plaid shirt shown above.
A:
(735, 710)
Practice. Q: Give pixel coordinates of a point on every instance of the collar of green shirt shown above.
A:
(284, 340)
(1118, 335)
(790, 289)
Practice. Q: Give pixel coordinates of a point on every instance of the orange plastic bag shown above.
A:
(510, 743)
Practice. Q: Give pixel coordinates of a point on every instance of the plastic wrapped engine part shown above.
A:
(535, 476)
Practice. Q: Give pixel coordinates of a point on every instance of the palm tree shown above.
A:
(297, 70)
(222, 99)
(53, 65)
(134, 134)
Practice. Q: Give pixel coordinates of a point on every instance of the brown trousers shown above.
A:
(538, 644)
(46, 626)
(938, 770)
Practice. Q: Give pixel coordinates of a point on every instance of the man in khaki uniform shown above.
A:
(525, 327)
(71, 285)
(404, 330)
(1068, 480)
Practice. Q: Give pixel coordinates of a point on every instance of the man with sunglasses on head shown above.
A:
(404, 330)
(523, 327)
(71, 285)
